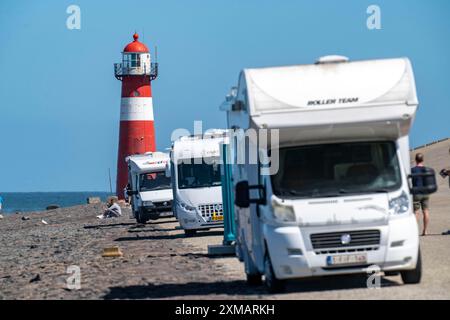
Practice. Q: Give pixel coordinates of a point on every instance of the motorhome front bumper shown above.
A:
(195, 221)
(296, 252)
(163, 205)
(159, 206)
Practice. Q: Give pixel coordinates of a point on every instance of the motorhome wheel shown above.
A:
(273, 284)
(413, 276)
(141, 217)
(153, 216)
(254, 278)
(190, 232)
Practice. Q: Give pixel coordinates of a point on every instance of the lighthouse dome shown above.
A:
(135, 46)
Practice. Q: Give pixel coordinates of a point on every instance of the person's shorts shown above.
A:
(421, 202)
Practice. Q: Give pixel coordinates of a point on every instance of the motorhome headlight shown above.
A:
(399, 204)
(147, 203)
(186, 207)
(282, 211)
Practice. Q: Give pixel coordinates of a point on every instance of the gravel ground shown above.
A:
(158, 262)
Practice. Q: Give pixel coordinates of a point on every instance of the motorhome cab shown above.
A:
(339, 199)
(149, 186)
(195, 172)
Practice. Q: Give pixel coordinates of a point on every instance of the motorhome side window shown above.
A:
(336, 169)
(154, 181)
(199, 173)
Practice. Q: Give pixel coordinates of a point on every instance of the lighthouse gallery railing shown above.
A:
(120, 70)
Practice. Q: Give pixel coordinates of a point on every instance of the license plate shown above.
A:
(217, 218)
(347, 259)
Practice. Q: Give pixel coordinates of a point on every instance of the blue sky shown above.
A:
(60, 101)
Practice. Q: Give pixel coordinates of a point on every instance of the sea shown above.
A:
(36, 201)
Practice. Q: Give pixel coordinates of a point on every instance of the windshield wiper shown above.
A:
(346, 191)
(205, 185)
(330, 194)
(380, 190)
(292, 192)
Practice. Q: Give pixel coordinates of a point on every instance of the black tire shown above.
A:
(190, 232)
(174, 212)
(413, 276)
(154, 215)
(254, 277)
(273, 284)
(141, 217)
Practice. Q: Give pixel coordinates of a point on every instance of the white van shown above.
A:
(148, 185)
(339, 199)
(196, 182)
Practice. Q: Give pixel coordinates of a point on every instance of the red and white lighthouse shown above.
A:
(137, 133)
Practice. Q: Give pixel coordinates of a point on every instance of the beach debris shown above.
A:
(24, 218)
(36, 278)
(92, 200)
(112, 252)
(52, 207)
(1, 216)
(101, 216)
(44, 222)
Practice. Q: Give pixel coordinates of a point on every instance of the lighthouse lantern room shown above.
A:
(136, 134)
(136, 61)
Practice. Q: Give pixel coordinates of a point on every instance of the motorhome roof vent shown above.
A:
(331, 59)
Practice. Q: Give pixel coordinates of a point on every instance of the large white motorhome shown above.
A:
(338, 200)
(148, 185)
(196, 181)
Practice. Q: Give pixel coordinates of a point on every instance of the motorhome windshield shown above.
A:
(154, 181)
(199, 173)
(337, 169)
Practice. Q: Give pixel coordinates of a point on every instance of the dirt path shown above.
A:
(160, 263)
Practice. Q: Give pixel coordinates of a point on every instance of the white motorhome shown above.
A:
(339, 199)
(148, 185)
(196, 181)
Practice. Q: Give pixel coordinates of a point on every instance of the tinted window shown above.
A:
(199, 174)
(153, 181)
(334, 169)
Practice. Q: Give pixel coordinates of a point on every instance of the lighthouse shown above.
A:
(137, 133)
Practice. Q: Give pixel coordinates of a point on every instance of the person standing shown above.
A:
(421, 201)
(447, 170)
(125, 194)
(446, 173)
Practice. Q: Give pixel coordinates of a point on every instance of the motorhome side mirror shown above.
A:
(238, 105)
(242, 198)
(429, 184)
(131, 192)
(167, 171)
